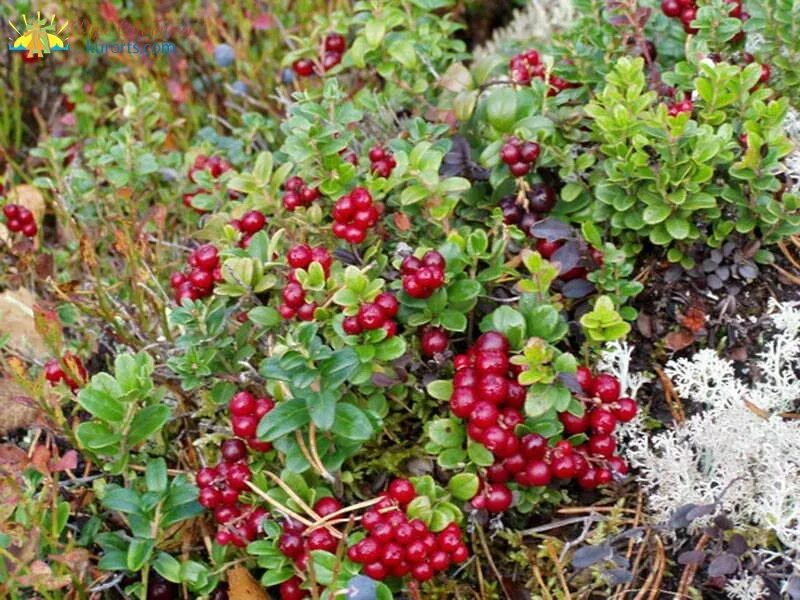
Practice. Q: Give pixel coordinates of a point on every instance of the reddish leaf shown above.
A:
(263, 21)
(67, 462)
(108, 12)
(678, 340)
(694, 319)
(401, 221)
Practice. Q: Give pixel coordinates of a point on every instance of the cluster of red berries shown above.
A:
(432, 341)
(54, 372)
(199, 281)
(540, 200)
(526, 66)
(519, 156)
(249, 224)
(686, 12)
(377, 314)
(298, 194)
(294, 296)
(382, 161)
(20, 220)
(216, 166)
(398, 546)
(677, 107)
(246, 412)
(353, 214)
(333, 48)
(422, 277)
(296, 542)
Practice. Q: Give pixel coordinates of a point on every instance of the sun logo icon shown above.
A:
(38, 38)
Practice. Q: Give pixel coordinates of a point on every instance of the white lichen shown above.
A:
(535, 21)
(791, 163)
(739, 443)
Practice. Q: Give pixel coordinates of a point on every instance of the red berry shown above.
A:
(355, 235)
(351, 326)
(765, 73)
(465, 377)
(434, 340)
(495, 438)
(533, 446)
(491, 361)
(206, 257)
(29, 229)
(574, 424)
(439, 561)
(422, 571)
(433, 259)
(563, 467)
(588, 480)
(306, 311)
(548, 247)
(252, 221)
(202, 280)
(519, 169)
(330, 60)
(233, 450)
(462, 401)
(387, 303)
(238, 476)
(411, 264)
(510, 153)
(402, 490)
(293, 295)
(11, 211)
(299, 256)
(604, 476)
(206, 476)
(492, 388)
(291, 545)
(671, 8)
(618, 465)
(602, 421)
(585, 379)
(530, 152)
(335, 42)
(390, 327)
(286, 311)
(491, 340)
(244, 426)
(209, 497)
(323, 257)
(602, 445)
(625, 409)
(376, 571)
(303, 67)
(498, 498)
(370, 316)
(538, 473)
(460, 554)
(484, 414)
(290, 590)
(606, 387)
(322, 539)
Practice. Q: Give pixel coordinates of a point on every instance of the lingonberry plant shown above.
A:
(370, 363)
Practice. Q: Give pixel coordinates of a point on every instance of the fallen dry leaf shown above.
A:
(18, 323)
(242, 586)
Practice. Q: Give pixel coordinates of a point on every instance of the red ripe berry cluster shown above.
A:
(423, 277)
(294, 296)
(296, 543)
(246, 412)
(686, 12)
(199, 281)
(20, 220)
(519, 156)
(541, 199)
(54, 372)
(249, 224)
(684, 106)
(374, 315)
(298, 194)
(353, 214)
(333, 48)
(396, 546)
(382, 160)
(526, 66)
(215, 165)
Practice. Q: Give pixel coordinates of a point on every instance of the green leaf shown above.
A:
(464, 291)
(139, 553)
(322, 408)
(156, 475)
(390, 349)
(96, 435)
(479, 454)
(453, 320)
(655, 213)
(339, 367)
(266, 316)
(501, 108)
(147, 422)
(100, 399)
(420, 508)
(464, 486)
(284, 418)
(677, 227)
(447, 433)
(351, 422)
(122, 499)
(168, 567)
(441, 389)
